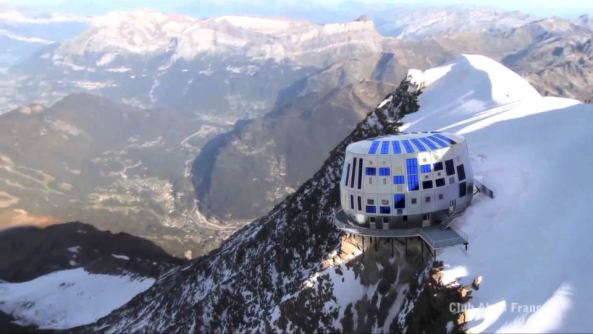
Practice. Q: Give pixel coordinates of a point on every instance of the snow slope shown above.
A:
(532, 242)
(68, 298)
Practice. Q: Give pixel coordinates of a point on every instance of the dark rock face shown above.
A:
(237, 287)
(29, 252)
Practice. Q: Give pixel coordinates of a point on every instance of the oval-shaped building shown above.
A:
(407, 180)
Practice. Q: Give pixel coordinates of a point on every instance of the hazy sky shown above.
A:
(298, 8)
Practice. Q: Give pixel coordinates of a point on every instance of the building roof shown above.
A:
(405, 143)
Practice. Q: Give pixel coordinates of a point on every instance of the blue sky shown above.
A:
(299, 8)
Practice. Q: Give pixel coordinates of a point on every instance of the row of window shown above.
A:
(433, 142)
(399, 201)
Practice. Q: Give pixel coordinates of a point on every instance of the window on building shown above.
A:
(374, 147)
(352, 202)
(429, 143)
(359, 203)
(385, 147)
(370, 171)
(462, 189)
(427, 199)
(354, 160)
(425, 168)
(399, 201)
(384, 202)
(384, 171)
(385, 210)
(396, 147)
(414, 201)
(347, 174)
(461, 172)
(371, 209)
(370, 201)
(438, 166)
(449, 168)
(438, 141)
(412, 166)
(399, 179)
(447, 139)
(427, 184)
(440, 182)
(419, 145)
(408, 146)
(413, 183)
(360, 174)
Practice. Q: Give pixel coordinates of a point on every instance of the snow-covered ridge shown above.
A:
(68, 298)
(531, 242)
(145, 32)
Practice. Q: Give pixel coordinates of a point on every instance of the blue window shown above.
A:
(438, 166)
(413, 182)
(399, 201)
(427, 184)
(371, 209)
(461, 172)
(385, 147)
(449, 167)
(370, 171)
(399, 179)
(385, 210)
(440, 182)
(374, 147)
(412, 165)
(397, 149)
(425, 168)
(408, 146)
(419, 145)
(429, 143)
(384, 171)
(352, 202)
(438, 141)
(447, 139)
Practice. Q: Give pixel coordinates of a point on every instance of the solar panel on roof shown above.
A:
(385, 147)
(447, 139)
(408, 146)
(419, 145)
(397, 149)
(374, 146)
(429, 143)
(438, 141)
